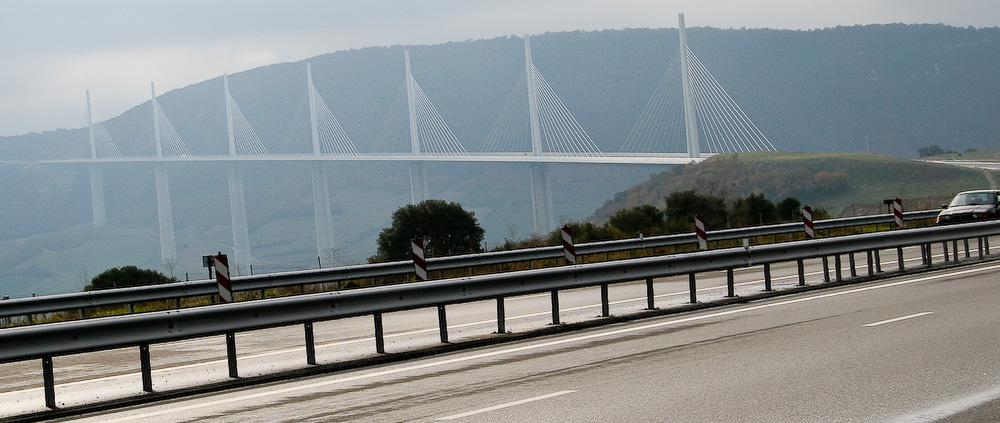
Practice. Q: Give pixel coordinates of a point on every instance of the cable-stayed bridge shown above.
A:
(688, 117)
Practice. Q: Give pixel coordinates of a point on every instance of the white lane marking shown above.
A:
(558, 342)
(507, 405)
(897, 319)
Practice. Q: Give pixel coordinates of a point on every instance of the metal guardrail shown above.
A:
(82, 300)
(47, 341)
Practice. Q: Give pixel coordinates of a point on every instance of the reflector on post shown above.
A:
(699, 229)
(807, 220)
(569, 250)
(222, 278)
(419, 264)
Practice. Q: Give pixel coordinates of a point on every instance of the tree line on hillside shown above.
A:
(447, 229)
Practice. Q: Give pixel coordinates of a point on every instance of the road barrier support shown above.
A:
(802, 272)
(837, 271)
(443, 324)
(231, 354)
(49, 380)
(605, 302)
(650, 300)
(730, 283)
(555, 307)
(379, 334)
(501, 316)
(826, 269)
(310, 343)
(767, 277)
(146, 368)
(693, 288)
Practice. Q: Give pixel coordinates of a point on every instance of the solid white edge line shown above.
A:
(898, 319)
(507, 405)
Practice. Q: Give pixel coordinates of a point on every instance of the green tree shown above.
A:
(586, 232)
(682, 206)
(644, 219)
(447, 229)
(120, 277)
(930, 150)
(789, 210)
(753, 210)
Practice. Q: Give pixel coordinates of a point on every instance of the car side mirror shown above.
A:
(944, 206)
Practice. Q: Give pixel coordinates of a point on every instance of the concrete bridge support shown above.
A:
(241, 231)
(97, 197)
(325, 247)
(168, 245)
(541, 199)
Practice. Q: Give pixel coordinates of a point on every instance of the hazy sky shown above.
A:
(52, 51)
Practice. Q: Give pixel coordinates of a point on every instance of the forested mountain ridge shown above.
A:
(897, 86)
(887, 89)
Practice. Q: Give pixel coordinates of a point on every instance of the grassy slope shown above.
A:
(844, 184)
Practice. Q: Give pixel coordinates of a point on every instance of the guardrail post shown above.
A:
(826, 269)
(693, 288)
(555, 307)
(966, 241)
(147, 368)
(730, 283)
(649, 294)
(878, 261)
(379, 334)
(947, 257)
(930, 257)
(49, 380)
(871, 268)
(954, 249)
(837, 271)
(979, 240)
(605, 302)
(802, 272)
(443, 324)
(310, 343)
(899, 257)
(852, 265)
(986, 242)
(231, 354)
(501, 316)
(767, 276)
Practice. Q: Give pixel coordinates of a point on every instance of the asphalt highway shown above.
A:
(877, 351)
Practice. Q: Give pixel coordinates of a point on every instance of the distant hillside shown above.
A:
(844, 184)
(887, 89)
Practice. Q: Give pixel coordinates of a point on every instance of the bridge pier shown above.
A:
(541, 199)
(97, 196)
(168, 244)
(324, 219)
(241, 232)
(418, 183)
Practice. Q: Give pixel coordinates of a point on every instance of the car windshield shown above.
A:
(974, 199)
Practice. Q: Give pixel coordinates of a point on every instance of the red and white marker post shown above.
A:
(699, 229)
(419, 263)
(807, 220)
(897, 212)
(569, 250)
(222, 278)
